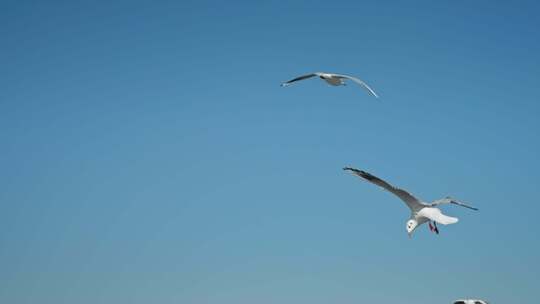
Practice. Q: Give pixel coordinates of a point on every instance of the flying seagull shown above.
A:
(470, 302)
(420, 212)
(332, 79)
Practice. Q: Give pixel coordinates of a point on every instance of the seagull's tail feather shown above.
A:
(450, 220)
(436, 215)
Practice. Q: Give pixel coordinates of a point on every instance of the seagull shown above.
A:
(420, 212)
(471, 301)
(332, 79)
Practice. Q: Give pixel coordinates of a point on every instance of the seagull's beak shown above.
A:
(410, 235)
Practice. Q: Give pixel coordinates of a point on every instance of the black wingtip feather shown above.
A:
(362, 173)
(351, 169)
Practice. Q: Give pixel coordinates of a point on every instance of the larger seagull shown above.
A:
(332, 79)
(420, 212)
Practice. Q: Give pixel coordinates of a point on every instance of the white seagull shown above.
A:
(471, 301)
(332, 79)
(420, 212)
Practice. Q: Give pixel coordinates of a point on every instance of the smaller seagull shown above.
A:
(420, 212)
(332, 79)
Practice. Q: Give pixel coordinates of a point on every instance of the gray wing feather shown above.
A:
(449, 200)
(298, 79)
(360, 82)
(411, 201)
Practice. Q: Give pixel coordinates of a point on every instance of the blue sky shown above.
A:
(150, 156)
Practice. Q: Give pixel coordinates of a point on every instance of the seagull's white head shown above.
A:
(411, 225)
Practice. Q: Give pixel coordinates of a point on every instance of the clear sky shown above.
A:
(149, 154)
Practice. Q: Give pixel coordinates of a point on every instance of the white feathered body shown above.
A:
(435, 214)
(331, 79)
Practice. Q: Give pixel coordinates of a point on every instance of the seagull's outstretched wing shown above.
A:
(411, 201)
(436, 215)
(449, 200)
(360, 82)
(287, 83)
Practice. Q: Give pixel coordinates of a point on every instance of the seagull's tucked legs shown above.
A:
(433, 227)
